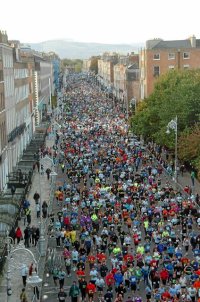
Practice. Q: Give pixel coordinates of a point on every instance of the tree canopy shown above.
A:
(94, 64)
(177, 93)
(75, 64)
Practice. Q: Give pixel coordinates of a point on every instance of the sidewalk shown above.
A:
(185, 180)
(42, 185)
(182, 181)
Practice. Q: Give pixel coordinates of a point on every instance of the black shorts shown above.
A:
(133, 287)
(99, 288)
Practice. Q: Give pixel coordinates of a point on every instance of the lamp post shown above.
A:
(14, 262)
(9, 242)
(173, 124)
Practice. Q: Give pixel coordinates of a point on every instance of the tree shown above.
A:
(94, 64)
(76, 64)
(175, 93)
(189, 147)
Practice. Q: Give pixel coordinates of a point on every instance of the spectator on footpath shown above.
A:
(12, 234)
(27, 235)
(42, 170)
(13, 189)
(28, 215)
(48, 171)
(192, 177)
(44, 209)
(36, 197)
(18, 234)
(24, 273)
(36, 292)
(182, 169)
(38, 165)
(37, 210)
(32, 268)
(23, 296)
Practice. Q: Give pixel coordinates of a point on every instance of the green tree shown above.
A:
(75, 64)
(94, 64)
(189, 146)
(175, 93)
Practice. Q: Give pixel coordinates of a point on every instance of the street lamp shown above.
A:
(9, 241)
(13, 261)
(173, 124)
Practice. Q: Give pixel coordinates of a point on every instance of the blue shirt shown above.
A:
(118, 278)
(133, 280)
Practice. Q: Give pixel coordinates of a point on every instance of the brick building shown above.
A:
(160, 56)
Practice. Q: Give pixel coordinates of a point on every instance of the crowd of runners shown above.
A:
(125, 233)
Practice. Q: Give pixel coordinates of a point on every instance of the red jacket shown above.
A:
(91, 288)
(18, 233)
(164, 275)
(110, 279)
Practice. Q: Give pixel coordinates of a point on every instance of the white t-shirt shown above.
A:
(74, 255)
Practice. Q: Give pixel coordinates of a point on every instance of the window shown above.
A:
(156, 71)
(156, 56)
(186, 66)
(171, 56)
(1, 75)
(171, 66)
(186, 55)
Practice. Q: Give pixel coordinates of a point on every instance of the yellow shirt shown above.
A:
(73, 235)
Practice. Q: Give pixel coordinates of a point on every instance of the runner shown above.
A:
(121, 221)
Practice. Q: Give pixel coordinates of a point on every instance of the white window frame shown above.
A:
(171, 67)
(154, 56)
(171, 56)
(186, 66)
(157, 75)
(184, 53)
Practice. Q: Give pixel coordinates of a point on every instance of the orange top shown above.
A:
(196, 284)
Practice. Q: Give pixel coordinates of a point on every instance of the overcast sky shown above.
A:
(104, 21)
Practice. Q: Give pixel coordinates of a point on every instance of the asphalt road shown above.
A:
(50, 291)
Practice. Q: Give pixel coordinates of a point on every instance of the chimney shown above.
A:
(193, 41)
(3, 37)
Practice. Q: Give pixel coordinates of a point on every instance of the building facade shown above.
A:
(158, 57)
(26, 82)
(43, 75)
(4, 49)
(8, 148)
(86, 65)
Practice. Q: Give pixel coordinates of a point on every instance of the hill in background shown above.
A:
(82, 50)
